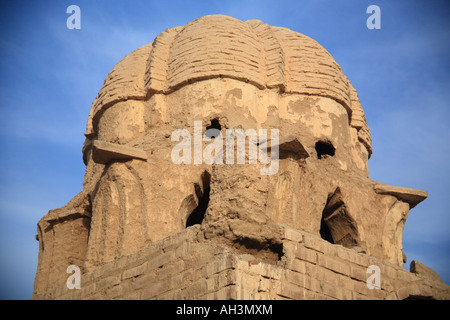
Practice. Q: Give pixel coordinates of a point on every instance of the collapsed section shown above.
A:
(197, 215)
(267, 251)
(337, 226)
(324, 149)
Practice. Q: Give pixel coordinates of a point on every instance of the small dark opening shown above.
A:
(213, 130)
(325, 232)
(196, 217)
(324, 149)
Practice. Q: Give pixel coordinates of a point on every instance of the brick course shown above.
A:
(183, 267)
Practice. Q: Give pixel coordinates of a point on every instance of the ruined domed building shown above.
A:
(229, 160)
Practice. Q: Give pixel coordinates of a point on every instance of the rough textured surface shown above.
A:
(188, 266)
(141, 217)
(419, 268)
(220, 46)
(411, 196)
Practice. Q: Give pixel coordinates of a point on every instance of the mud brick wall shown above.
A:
(186, 266)
(316, 269)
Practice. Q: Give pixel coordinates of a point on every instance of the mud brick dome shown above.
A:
(220, 46)
(145, 227)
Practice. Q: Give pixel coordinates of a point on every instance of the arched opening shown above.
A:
(336, 225)
(197, 215)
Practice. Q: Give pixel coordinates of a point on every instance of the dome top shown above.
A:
(220, 46)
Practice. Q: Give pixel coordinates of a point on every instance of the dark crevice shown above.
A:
(197, 215)
(325, 232)
(336, 225)
(267, 251)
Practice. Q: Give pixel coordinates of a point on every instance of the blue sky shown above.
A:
(49, 76)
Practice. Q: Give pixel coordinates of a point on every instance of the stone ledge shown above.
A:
(411, 196)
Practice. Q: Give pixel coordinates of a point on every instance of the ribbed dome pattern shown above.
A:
(221, 46)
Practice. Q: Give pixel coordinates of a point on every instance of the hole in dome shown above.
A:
(324, 149)
(213, 130)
